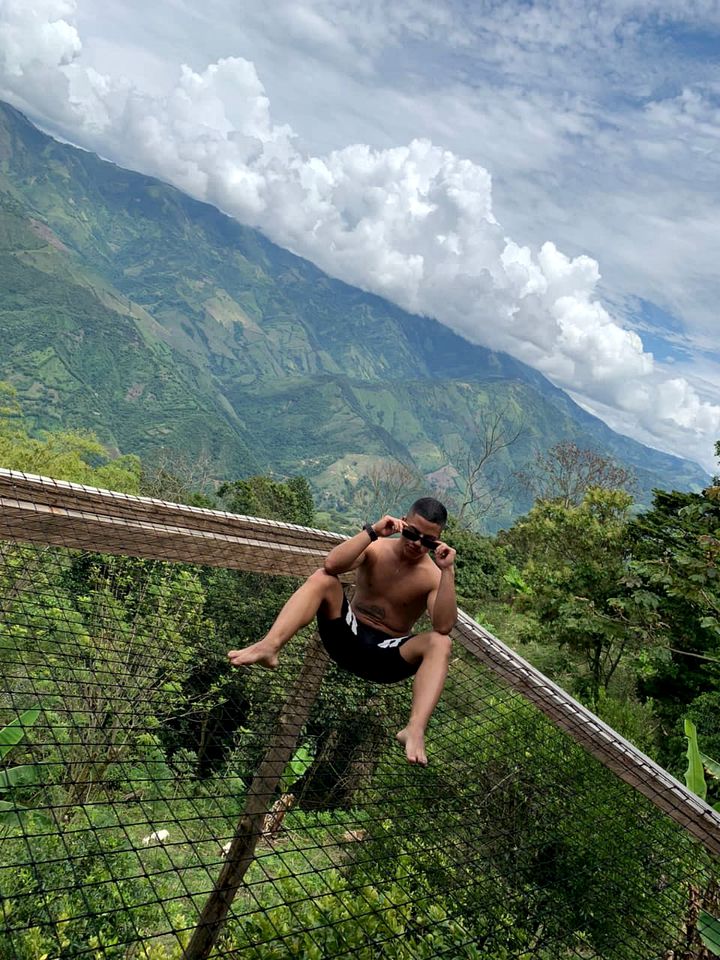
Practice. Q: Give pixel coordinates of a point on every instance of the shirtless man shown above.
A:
(396, 582)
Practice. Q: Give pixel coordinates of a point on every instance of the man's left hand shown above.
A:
(444, 556)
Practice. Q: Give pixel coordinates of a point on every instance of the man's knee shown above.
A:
(328, 593)
(440, 643)
(325, 582)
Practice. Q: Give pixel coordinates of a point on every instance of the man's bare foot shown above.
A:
(260, 652)
(414, 743)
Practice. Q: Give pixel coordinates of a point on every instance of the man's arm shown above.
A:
(442, 604)
(349, 554)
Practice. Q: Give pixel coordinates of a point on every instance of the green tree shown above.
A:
(290, 500)
(675, 553)
(577, 585)
(110, 649)
(242, 607)
(480, 566)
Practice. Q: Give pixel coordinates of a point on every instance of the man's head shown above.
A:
(429, 509)
(425, 521)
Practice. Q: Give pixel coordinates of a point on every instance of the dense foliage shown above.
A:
(675, 549)
(635, 600)
(517, 844)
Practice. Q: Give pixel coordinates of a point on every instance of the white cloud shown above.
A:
(36, 33)
(413, 223)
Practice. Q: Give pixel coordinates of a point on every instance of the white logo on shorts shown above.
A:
(391, 642)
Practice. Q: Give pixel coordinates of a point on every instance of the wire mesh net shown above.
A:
(156, 803)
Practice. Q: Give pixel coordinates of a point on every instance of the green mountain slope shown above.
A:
(82, 357)
(155, 320)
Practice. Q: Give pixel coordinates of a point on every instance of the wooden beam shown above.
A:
(280, 749)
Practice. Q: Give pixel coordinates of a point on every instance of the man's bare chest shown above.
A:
(400, 592)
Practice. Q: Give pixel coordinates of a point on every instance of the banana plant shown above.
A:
(709, 930)
(23, 775)
(698, 763)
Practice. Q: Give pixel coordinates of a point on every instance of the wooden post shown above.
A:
(293, 716)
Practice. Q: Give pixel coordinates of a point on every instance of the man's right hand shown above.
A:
(388, 526)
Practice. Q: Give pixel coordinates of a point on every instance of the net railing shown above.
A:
(156, 803)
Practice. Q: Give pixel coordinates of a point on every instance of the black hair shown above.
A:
(430, 509)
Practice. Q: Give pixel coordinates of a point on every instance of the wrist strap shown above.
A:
(370, 532)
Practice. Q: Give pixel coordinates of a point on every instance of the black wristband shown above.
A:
(370, 532)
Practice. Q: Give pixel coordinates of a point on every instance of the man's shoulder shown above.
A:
(375, 550)
(432, 571)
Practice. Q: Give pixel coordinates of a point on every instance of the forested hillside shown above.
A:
(163, 325)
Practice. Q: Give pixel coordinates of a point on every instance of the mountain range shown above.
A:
(133, 310)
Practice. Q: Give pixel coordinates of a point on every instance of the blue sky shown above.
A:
(542, 177)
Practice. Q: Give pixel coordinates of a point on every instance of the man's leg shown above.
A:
(320, 589)
(433, 649)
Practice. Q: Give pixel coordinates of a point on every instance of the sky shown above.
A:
(544, 177)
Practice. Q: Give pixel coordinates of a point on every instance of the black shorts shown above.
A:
(368, 653)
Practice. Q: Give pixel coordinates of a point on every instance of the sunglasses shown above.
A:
(410, 533)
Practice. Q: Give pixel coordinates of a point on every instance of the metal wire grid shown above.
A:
(492, 851)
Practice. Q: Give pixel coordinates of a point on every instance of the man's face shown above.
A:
(415, 549)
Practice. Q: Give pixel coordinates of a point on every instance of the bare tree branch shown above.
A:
(170, 475)
(388, 485)
(481, 487)
(566, 472)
